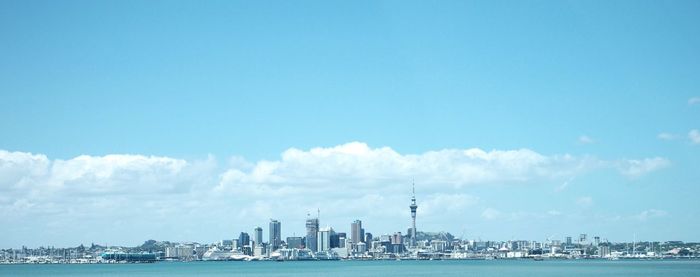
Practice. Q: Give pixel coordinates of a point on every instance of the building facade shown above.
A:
(312, 234)
(356, 231)
(275, 234)
(258, 235)
(324, 239)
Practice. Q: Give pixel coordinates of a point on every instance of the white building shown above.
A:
(324, 239)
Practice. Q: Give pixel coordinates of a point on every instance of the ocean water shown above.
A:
(444, 268)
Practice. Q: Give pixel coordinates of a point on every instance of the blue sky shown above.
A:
(584, 112)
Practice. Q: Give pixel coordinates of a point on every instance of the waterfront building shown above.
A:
(324, 239)
(170, 252)
(258, 233)
(349, 245)
(555, 242)
(295, 242)
(438, 245)
(259, 251)
(356, 231)
(368, 237)
(234, 244)
(199, 251)
(247, 250)
(376, 246)
(361, 247)
(397, 238)
(243, 240)
(312, 234)
(342, 238)
(334, 239)
(385, 237)
(275, 234)
(182, 252)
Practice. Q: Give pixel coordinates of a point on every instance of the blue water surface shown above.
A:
(443, 268)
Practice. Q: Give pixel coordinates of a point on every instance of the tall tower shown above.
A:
(275, 234)
(258, 236)
(413, 207)
(356, 231)
(312, 233)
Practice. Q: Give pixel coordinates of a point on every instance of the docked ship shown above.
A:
(216, 254)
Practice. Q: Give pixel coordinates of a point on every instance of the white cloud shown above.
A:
(345, 181)
(694, 136)
(357, 164)
(585, 140)
(553, 213)
(85, 184)
(585, 201)
(666, 136)
(693, 100)
(447, 203)
(637, 168)
(490, 213)
(117, 174)
(649, 214)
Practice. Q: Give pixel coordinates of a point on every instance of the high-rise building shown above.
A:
(312, 234)
(294, 242)
(361, 247)
(275, 234)
(569, 241)
(356, 231)
(413, 207)
(335, 240)
(324, 239)
(243, 239)
(368, 238)
(234, 244)
(342, 237)
(258, 236)
(397, 238)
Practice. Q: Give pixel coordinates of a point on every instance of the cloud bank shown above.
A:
(349, 180)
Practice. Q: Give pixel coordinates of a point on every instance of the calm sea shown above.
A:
(445, 268)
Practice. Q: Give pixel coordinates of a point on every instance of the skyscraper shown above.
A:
(335, 240)
(324, 239)
(356, 231)
(243, 239)
(413, 207)
(294, 242)
(258, 236)
(368, 238)
(275, 234)
(311, 234)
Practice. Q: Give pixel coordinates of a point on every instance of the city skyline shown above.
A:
(185, 121)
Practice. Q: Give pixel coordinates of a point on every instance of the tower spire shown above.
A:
(413, 207)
